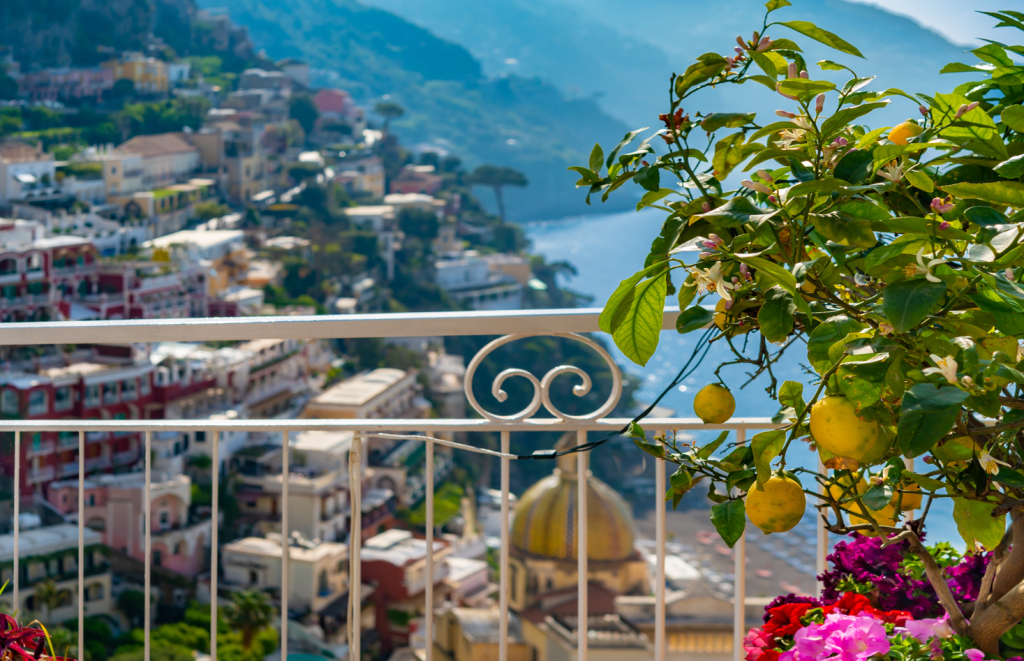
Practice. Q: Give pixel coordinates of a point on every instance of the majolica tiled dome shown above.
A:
(545, 520)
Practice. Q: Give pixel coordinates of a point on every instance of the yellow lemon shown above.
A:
(911, 497)
(901, 133)
(779, 507)
(723, 316)
(839, 487)
(714, 403)
(837, 429)
(883, 517)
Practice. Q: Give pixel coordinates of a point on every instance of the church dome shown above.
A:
(545, 522)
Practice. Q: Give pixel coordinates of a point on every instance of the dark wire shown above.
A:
(689, 368)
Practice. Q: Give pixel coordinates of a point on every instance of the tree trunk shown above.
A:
(247, 636)
(501, 203)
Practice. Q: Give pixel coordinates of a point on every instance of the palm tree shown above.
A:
(496, 177)
(48, 597)
(249, 612)
(388, 110)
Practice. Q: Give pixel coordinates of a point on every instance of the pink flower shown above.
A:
(923, 110)
(965, 108)
(926, 629)
(819, 103)
(940, 206)
(755, 642)
(944, 225)
(862, 638)
(765, 44)
(756, 186)
(974, 654)
(785, 113)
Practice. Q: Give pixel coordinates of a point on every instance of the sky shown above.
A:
(957, 20)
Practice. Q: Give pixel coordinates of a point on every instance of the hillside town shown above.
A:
(154, 187)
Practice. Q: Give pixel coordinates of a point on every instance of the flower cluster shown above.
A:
(851, 629)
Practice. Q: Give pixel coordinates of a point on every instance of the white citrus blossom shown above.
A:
(892, 171)
(712, 280)
(946, 367)
(990, 463)
(922, 268)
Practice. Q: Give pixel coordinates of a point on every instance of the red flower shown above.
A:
(785, 619)
(770, 655)
(851, 604)
(899, 618)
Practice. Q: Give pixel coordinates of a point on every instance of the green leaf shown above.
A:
(1010, 193)
(687, 291)
(854, 166)
(920, 180)
(636, 431)
(776, 315)
(768, 154)
(927, 414)
(841, 119)
(791, 395)
(774, 127)
(886, 153)
(882, 254)
(862, 381)
(907, 303)
(974, 127)
(779, 276)
(766, 446)
(1013, 116)
(986, 217)
(827, 185)
(829, 65)
(621, 297)
(709, 449)
(870, 137)
(804, 88)
(826, 334)
(975, 522)
(596, 157)
(628, 138)
(1009, 477)
(652, 197)
(681, 480)
(649, 178)
(926, 483)
(737, 211)
(656, 450)
(729, 120)
(877, 497)
(728, 154)
(638, 333)
(693, 319)
(730, 519)
(707, 66)
(1011, 168)
(772, 5)
(741, 480)
(824, 36)
(844, 229)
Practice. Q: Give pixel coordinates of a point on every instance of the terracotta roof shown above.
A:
(149, 146)
(19, 151)
(600, 601)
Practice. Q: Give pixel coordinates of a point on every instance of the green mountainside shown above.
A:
(524, 123)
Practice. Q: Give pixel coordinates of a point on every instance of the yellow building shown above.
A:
(381, 393)
(147, 73)
(472, 634)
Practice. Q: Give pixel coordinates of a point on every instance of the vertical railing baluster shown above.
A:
(659, 589)
(503, 564)
(214, 543)
(81, 544)
(355, 563)
(739, 591)
(429, 597)
(147, 509)
(821, 548)
(285, 545)
(17, 522)
(581, 547)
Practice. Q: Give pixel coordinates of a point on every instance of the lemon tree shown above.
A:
(892, 255)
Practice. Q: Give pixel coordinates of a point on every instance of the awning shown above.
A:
(26, 178)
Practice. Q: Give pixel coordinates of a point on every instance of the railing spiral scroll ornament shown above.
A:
(542, 386)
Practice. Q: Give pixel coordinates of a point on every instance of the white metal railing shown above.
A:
(563, 323)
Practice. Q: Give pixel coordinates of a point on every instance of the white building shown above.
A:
(317, 572)
(26, 172)
(485, 282)
(178, 72)
(167, 158)
(208, 245)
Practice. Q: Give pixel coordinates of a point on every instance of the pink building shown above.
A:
(66, 83)
(328, 101)
(114, 509)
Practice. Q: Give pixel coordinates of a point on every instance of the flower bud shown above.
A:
(819, 104)
(735, 280)
(717, 240)
(755, 186)
(764, 45)
(739, 51)
(756, 38)
(730, 303)
(944, 225)
(744, 269)
(804, 75)
(923, 110)
(710, 245)
(704, 255)
(1009, 273)
(773, 199)
(764, 175)
(791, 70)
(877, 481)
(842, 142)
(939, 206)
(928, 459)
(785, 113)
(705, 206)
